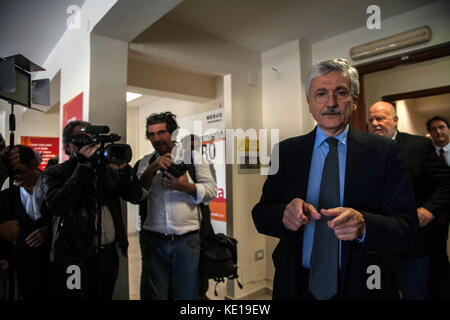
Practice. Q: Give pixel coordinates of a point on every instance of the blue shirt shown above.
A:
(320, 151)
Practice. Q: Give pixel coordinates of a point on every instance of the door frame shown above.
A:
(358, 119)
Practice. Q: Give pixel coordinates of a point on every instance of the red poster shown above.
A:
(72, 110)
(47, 147)
(218, 207)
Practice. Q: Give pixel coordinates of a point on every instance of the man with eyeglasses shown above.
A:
(169, 238)
(417, 269)
(340, 200)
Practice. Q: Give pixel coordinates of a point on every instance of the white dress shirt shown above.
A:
(108, 231)
(32, 202)
(172, 211)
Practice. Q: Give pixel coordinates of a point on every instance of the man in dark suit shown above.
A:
(339, 199)
(431, 183)
(438, 127)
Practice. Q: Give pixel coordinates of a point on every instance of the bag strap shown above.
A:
(206, 228)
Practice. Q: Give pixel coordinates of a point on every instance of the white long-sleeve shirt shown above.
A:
(32, 202)
(172, 211)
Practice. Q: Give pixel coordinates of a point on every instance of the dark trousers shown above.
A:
(439, 277)
(32, 270)
(98, 277)
(413, 276)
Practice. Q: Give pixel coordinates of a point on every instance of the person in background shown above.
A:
(431, 184)
(84, 200)
(23, 209)
(170, 239)
(438, 129)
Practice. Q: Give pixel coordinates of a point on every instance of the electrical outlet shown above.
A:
(259, 255)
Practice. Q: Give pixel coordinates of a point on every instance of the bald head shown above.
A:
(383, 119)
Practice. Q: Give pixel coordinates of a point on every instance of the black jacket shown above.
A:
(69, 190)
(376, 184)
(31, 263)
(430, 179)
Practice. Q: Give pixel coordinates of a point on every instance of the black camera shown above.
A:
(116, 153)
(177, 170)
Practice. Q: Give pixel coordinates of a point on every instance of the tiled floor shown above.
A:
(134, 273)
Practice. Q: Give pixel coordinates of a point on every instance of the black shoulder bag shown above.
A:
(218, 252)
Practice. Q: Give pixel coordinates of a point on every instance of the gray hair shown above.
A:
(341, 65)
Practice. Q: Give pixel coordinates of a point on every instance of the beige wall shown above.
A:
(108, 83)
(408, 120)
(30, 122)
(145, 75)
(418, 76)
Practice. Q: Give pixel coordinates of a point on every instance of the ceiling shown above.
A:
(34, 27)
(263, 24)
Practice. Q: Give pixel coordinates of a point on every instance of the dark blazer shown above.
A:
(430, 179)
(31, 263)
(376, 184)
(70, 194)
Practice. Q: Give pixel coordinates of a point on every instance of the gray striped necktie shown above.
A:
(323, 279)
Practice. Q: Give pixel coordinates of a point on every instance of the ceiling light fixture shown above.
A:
(131, 96)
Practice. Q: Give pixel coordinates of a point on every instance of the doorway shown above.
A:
(415, 71)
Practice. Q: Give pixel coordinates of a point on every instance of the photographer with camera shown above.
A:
(170, 240)
(83, 195)
(25, 221)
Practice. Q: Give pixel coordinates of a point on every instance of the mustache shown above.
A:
(331, 111)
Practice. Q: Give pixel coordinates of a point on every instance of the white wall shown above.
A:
(281, 89)
(29, 122)
(71, 56)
